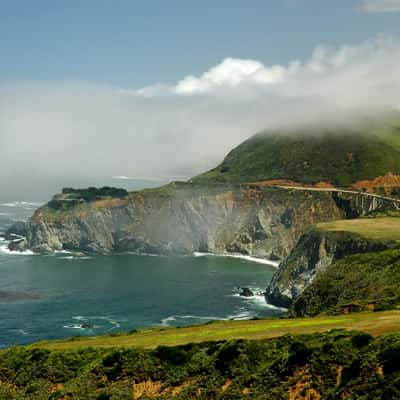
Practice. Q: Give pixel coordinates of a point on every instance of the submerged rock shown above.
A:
(20, 244)
(10, 296)
(246, 292)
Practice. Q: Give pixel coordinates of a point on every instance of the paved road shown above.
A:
(397, 201)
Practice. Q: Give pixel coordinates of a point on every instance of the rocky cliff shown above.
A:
(223, 210)
(315, 252)
(181, 219)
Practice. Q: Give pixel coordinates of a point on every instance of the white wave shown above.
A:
(258, 299)
(17, 237)
(137, 253)
(80, 318)
(242, 316)
(166, 321)
(111, 321)
(22, 204)
(63, 252)
(75, 258)
(88, 322)
(74, 326)
(240, 256)
(6, 250)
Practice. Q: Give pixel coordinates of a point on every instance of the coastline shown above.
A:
(257, 260)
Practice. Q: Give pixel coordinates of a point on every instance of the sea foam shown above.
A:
(240, 256)
(5, 250)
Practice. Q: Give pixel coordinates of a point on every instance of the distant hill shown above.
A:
(340, 156)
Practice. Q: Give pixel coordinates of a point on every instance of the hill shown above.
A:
(339, 156)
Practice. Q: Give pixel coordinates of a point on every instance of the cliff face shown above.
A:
(263, 222)
(257, 221)
(315, 252)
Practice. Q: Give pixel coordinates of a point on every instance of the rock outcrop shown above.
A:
(314, 253)
(184, 218)
(246, 292)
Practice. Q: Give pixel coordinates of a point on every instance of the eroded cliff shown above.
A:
(315, 252)
(256, 221)
(181, 219)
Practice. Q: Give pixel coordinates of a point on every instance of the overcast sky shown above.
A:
(160, 92)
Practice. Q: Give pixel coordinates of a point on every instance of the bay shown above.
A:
(65, 294)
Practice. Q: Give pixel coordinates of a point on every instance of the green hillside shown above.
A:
(340, 156)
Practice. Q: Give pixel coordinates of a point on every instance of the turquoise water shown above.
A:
(61, 295)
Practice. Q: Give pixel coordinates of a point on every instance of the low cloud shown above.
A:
(381, 6)
(50, 130)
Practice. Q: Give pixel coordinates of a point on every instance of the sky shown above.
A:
(161, 90)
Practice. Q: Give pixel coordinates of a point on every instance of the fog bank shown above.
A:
(65, 130)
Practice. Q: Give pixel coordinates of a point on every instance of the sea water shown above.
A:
(67, 294)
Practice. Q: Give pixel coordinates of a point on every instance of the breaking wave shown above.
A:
(240, 256)
(23, 204)
(104, 324)
(176, 320)
(5, 250)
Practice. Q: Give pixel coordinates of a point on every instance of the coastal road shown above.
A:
(366, 194)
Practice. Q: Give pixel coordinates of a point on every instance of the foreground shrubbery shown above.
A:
(334, 365)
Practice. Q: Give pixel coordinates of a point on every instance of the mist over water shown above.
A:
(54, 132)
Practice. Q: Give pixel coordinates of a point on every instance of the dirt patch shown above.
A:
(302, 390)
(226, 385)
(387, 181)
(147, 388)
(289, 183)
(109, 203)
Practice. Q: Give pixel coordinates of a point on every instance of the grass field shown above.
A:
(374, 323)
(386, 228)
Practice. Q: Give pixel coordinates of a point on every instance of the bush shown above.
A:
(361, 340)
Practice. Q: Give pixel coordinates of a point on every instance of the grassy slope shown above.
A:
(373, 323)
(384, 228)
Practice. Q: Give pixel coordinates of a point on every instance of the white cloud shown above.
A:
(53, 129)
(381, 6)
(231, 72)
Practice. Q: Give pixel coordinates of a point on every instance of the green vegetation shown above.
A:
(190, 188)
(333, 365)
(358, 282)
(384, 228)
(387, 127)
(340, 157)
(373, 323)
(93, 193)
(71, 197)
(383, 213)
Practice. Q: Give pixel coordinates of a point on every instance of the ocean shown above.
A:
(62, 295)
